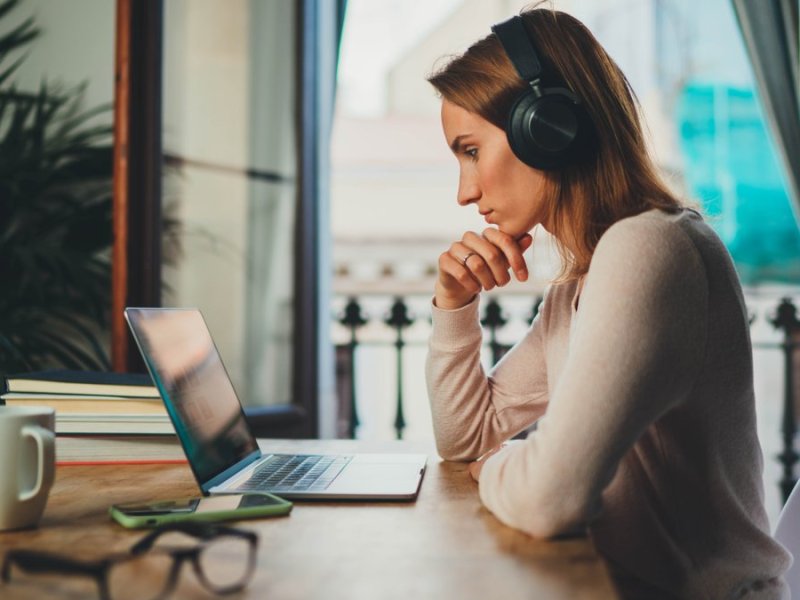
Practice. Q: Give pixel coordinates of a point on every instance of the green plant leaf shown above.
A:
(55, 219)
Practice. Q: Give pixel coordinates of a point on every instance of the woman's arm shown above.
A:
(473, 412)
(634, 354)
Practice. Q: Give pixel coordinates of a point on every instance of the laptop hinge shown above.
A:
(222, 478)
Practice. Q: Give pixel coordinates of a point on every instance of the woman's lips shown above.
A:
(488, 216)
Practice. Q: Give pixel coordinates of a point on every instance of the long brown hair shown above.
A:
(619, 178)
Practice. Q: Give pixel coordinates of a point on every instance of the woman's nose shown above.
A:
(468, 190)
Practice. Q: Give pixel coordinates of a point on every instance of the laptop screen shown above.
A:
(188, 371)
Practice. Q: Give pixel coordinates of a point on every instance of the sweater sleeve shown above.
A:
(635, 351)
(473, 412)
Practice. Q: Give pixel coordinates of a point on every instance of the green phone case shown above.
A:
(280, 507)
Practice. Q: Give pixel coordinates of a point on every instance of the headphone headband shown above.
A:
(519, 48)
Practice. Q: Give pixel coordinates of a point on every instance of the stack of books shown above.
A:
(100, 416)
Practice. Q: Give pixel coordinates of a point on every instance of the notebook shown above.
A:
(187, 369)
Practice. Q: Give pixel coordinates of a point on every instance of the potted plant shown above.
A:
(55, 221)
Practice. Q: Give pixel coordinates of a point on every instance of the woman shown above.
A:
(637, 368)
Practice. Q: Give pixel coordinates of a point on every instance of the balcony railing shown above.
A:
(395, 326)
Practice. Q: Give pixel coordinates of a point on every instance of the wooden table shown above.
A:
(444, 545)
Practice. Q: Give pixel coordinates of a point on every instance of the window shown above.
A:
(244, 96)
(230, 181)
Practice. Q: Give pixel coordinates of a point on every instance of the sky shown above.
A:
(376, 34)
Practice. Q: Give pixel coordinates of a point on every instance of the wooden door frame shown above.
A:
(137, 221)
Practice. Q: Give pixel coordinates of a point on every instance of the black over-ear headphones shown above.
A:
(547, 128)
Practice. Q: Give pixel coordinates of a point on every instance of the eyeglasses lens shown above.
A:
(226, 562)
(142, 577)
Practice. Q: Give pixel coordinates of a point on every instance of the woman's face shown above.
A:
(507, 192)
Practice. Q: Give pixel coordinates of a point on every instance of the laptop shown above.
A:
(223, 453)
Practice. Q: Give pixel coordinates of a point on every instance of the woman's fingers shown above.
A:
(457, 272)
(470, 258)
(489, 256)
(511, 249)
(479, 262)
(493, 269)
(456, 286)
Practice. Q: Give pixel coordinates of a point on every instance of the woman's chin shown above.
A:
(515, 232)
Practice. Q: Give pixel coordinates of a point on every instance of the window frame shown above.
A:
(138, 161)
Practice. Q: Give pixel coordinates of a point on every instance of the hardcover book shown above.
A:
(118, 449)
(86, 403)
(94, 383)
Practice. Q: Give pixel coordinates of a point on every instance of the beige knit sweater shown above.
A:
(643, 395)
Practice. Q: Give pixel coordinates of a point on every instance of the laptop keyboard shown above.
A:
(296, 473)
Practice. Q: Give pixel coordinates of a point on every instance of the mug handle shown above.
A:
(45, 443)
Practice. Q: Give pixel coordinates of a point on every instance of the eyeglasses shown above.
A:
(223, 559)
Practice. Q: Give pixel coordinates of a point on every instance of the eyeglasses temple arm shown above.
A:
(44, 562)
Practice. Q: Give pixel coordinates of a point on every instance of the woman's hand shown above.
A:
(479, 262)
(476, 466)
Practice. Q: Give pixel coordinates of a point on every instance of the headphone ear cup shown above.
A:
(543, 128)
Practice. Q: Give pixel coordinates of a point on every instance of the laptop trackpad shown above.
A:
(377, 479)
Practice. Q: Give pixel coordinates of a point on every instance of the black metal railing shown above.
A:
(399, 318)
(786, 320)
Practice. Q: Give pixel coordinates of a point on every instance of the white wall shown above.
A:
(76, 45)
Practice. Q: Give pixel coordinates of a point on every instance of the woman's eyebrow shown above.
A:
(455, 145)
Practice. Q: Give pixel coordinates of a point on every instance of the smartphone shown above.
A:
(220, 507)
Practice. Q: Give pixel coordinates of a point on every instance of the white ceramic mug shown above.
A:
(27, 464)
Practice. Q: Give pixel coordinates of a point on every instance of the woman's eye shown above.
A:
(472, 153)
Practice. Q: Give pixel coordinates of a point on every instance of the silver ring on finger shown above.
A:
(466, 258)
